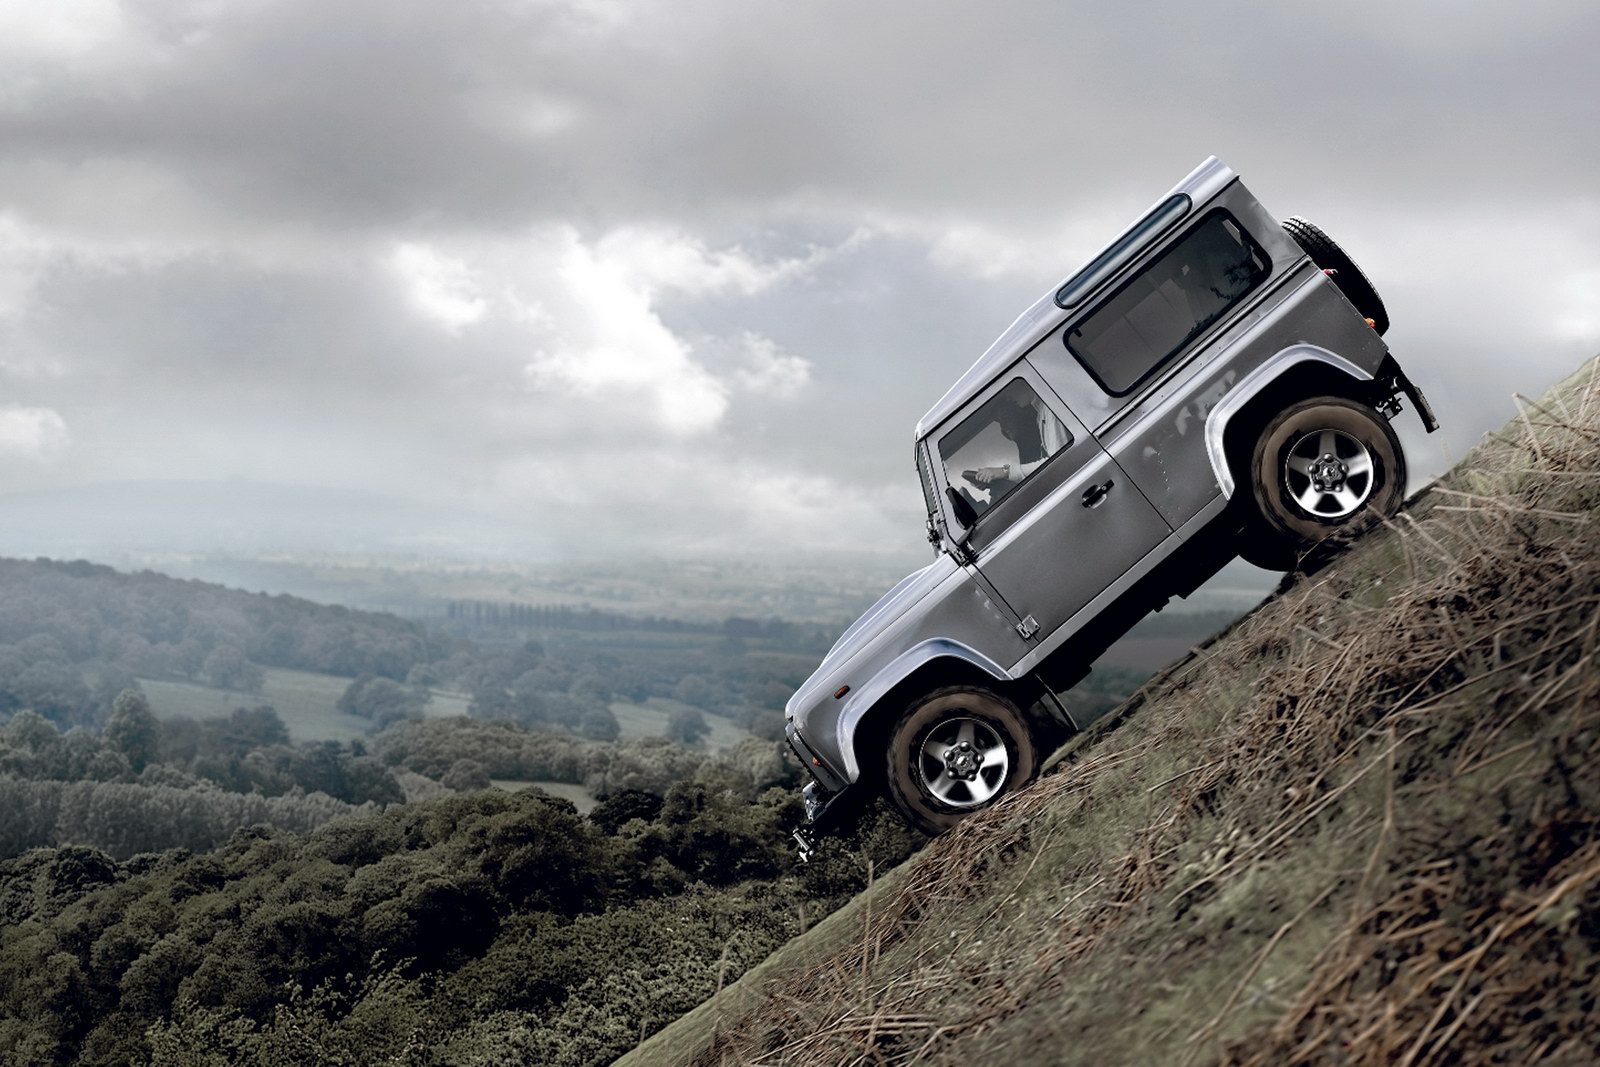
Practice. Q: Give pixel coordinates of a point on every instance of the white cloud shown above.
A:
(441, 287)
(653, 259)
(33, 433)
(587, 312)
(1043, 254)
(614, 348)
(768, 370)
(22, 256)
(58, 29)
(542, 231)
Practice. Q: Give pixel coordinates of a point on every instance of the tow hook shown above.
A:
(806, 844)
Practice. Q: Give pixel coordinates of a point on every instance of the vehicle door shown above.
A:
(1050, 519)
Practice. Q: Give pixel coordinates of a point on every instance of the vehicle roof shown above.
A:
(1202, 183)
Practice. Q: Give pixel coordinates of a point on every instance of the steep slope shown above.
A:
(1363, 826)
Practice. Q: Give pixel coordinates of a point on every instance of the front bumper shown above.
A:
(820, 795)
(830, 780)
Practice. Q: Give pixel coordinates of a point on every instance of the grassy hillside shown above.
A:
(1363, 826)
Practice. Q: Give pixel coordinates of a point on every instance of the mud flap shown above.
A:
(1395, 381)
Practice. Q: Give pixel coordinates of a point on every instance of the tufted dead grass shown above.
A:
(1361, 827)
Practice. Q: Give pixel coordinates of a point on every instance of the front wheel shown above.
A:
(956, 751)
(1324, 467)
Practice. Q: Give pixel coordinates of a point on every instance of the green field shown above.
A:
(650, 720)
(307, 703)
(565, 790)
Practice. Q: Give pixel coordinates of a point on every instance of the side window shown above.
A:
(1177, 296)
(993, 450)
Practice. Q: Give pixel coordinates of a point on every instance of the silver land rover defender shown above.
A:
(1213, 383)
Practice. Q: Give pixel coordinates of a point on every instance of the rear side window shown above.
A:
(1173, 300)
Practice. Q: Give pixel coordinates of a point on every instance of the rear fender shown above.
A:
(1263, 377)
(949, 657)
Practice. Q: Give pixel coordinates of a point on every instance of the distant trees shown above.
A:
(382, 700)
(486, 928)
(245, 752)
(37, 673)
(31, 748)
(133, 730)
(688, 726)
(651, 764)
(466, 776)
(126, 818)
(432, 746)
(227, 668)
(57, 617)
(600, 724)
(73, 636)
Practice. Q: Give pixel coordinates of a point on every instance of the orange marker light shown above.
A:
(1373, 323)
(841, 691)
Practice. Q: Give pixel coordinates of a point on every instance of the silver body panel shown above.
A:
(943, 610)
(1046, 552)
(1045, 557)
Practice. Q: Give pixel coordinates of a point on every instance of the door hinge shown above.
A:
(1028, 627)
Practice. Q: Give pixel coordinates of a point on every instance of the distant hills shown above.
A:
(245, 517)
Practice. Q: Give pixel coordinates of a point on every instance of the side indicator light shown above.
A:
(841, 691)
(815, 762)
(1373, 323)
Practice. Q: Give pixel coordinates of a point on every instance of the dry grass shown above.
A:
(1363, 827)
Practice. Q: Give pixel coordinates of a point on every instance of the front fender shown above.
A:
(903, 666)
(1252, 384)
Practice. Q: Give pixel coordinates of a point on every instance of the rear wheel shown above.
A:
(1324, 468)
(956, 751)
(1325, 253)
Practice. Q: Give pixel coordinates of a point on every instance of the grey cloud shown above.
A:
(214, 196)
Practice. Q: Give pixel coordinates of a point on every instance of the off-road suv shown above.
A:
(1213, 383)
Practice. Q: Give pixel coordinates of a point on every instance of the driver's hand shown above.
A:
(985, 475)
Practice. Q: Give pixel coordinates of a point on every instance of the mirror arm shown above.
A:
(967, 517)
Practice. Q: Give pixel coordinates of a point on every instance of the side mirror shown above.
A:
(965, 513)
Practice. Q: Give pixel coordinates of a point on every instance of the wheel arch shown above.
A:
(870, 717)
(1294, 374)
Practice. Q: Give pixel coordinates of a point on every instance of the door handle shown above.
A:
(1095, 495)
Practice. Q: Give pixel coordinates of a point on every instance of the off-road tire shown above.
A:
(1279, 532)
(908, 787)
(1355, 285)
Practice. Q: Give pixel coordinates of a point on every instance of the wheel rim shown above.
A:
(1329, 474)
(963, 762)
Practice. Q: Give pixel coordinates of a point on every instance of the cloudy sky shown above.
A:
(686, 274)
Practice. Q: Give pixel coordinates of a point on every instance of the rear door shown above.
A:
(1065, 521)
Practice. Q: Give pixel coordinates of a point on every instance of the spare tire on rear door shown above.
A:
(1346, 275)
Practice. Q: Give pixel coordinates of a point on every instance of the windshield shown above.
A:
(996, 448)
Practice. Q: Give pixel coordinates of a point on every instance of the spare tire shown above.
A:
(1346, 275)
